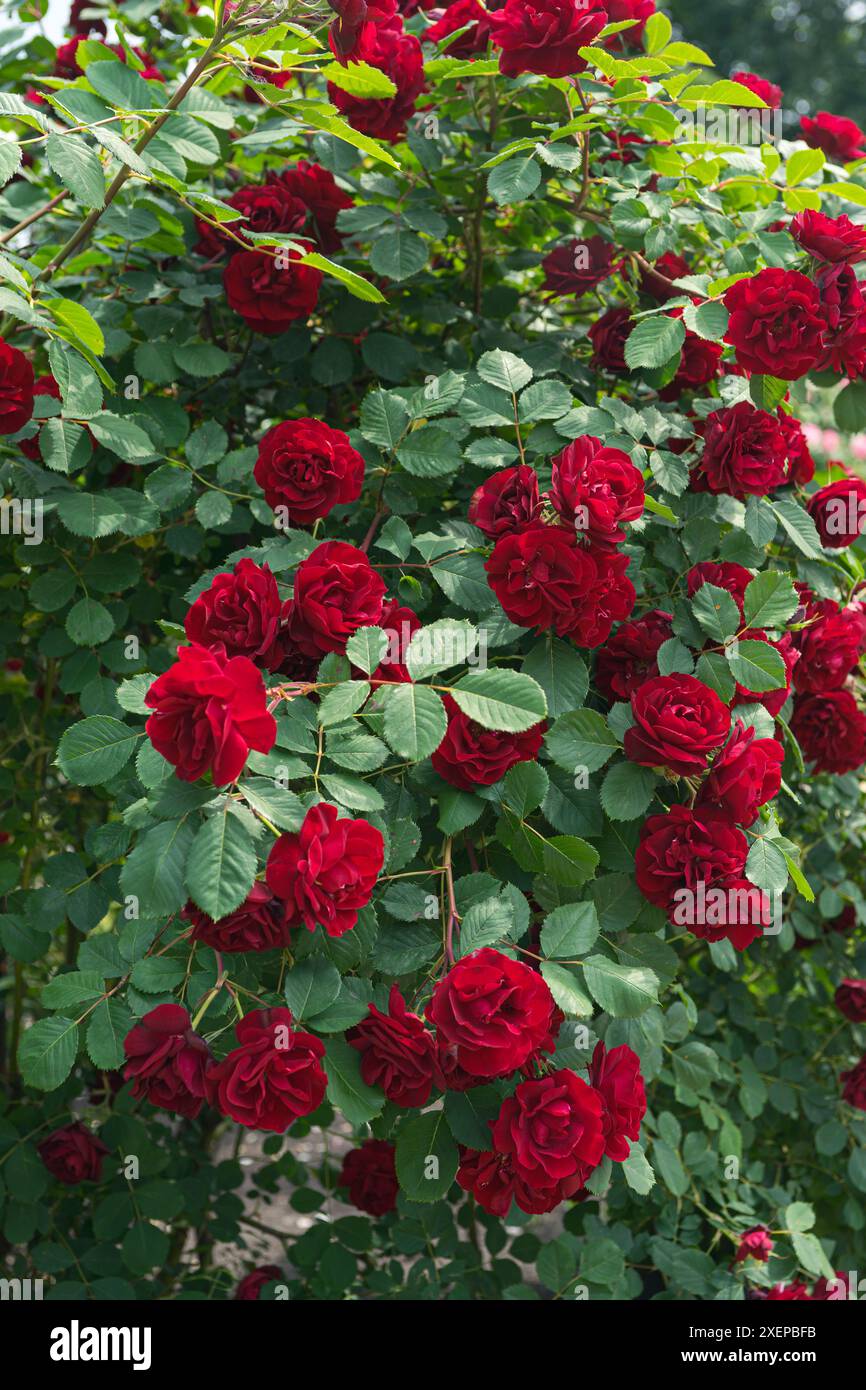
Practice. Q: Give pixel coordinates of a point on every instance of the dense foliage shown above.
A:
(432, 712)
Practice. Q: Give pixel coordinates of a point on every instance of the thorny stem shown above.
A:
(453, 917)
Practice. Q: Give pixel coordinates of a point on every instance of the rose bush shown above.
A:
(433, 713)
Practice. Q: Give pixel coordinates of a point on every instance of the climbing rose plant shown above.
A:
(432, 702)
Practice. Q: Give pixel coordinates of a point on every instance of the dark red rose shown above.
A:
(308, 468)
(831, 730)
(16, 389)
(43, 386)
(831, 1290)
(613, 598)
(608, 337)
(506, 502)
(370, 1176)
(699, 365)
(835, 240)
(66, 62)
(844, 309)
(628, 149)
(471, 756)
(830, 648)
(769, 93)
(396, 1052)
(596, 490)
(801, 465)
(269, 292)
(448, 1075)
(323, 198)
(73, 1154)
(495, 1012)
(457, 16)
(209, 711)
(745, 452)
(772, 700)
(265, 208)
(354, 16)
(250, 1287)
(80, 23)
(682, 848)
(744, 776)
(494, 1183)
(840, 138)
(274, 1075)
(578, 266)
(325, 873)
(628, 658)
(399, 625)
(542, 578)
(754, 1245)
(336, 592)
(615, 1074)
(854, 1090)
(399, 56)
(679, 722)
(839, 511)
(850, 1000)
(242, 612)
(166, 1061)
(735, 579)
(257, 925)
(620, 10)
(776, 325)
(654, 280)
(265, 73)
(546, 36)
(782, 1293)
(553, 1132)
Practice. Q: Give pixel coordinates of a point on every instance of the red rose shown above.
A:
(242, 612)
(596, 490)
(257, 925)
(336, 591)
(308, 469)
(80, 21)
(250, 1287)
(745, 775)
(399, 56)
(73, 1154)
(166, 1061)
(801, 465)
(578, 266)
(43, 386)
(835, 240)
(546, 36)
(457, 16)
(553, 1132)
(850, 1000)
(613, 599)
(496, 1012)
(66, 62)
(471, 756)
(270, 296)
(542, 578)
(209, 711)
(854, 1090)
(830, 648)
(396, 1052)
(754, 1245)
(267, 207)
(370, 1176)
(839, 511)
(325, 873)
(448, 1075)
(399, 625)
(608, 337)
(506, 502)
(494, 1183)
(16, 389)
(628, 658)
(616, 1076)
(654, 280)
(620, 10)
(844, 309)
(679, 722)
(735, 579)
(322, 196)
(776, 323)
(831, 730)
(272, 1077)
(769, 93)
(683, 848)
(699, 365)
(745, 452)
(839, 138)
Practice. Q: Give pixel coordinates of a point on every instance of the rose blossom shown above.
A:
(840, 138)
(854, 1091)
(615, 1074)
(257, 925)
(495, 1183)
(553, 1131)
(321, 195)
(398, 55)
(472, 756)
(682, 848)
(578, 266)
(307, 468)
(268, 296)
(272, 1077)
(242, 612)
(72, 1154)
(325, 873)
(545, 36)
(754, 1245)
(735, 579)
(830, 648)
(596, 490)
(336, 591)
(769, 93)
(776, 324)
(844, 308)
(396, 1052)
(16, 389)
(495, 1011)
(850, 1000)
(628, 658)
(209, 711)
(542, 579)
(457, 16)
(745, 775)
(834, 240)
(506, 502)
(745, 452)
(839, 511)
(250, 1287)
(679, 722)
(166, 1060)
(831, 730)
(608, 337)
(369, 1174)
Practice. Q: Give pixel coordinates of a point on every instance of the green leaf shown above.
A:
(426, 1157)
(560, 672)
(654, 342)
(122, 436)
(485, 924)
(123, 87)
(565, 986)
(398, 254)
(76, 165)
(770, 600)
(716, 611)
(366, 648)
(47, 1052)
(766, 866)
(799, 526)
(514, 180)
(10, 160)
(154, 871)
(627, 791)
(221, 866)
(623, 991)
(357, 1101)
(802, 164)
(581, 739)
(756, 666)
(415, 720)
(501, 699)
(96, 749)
(569, 931)
(79, 322)
(311, 986)
(89, 623)
(504, 369)
(360, 80)
(109, 1024)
